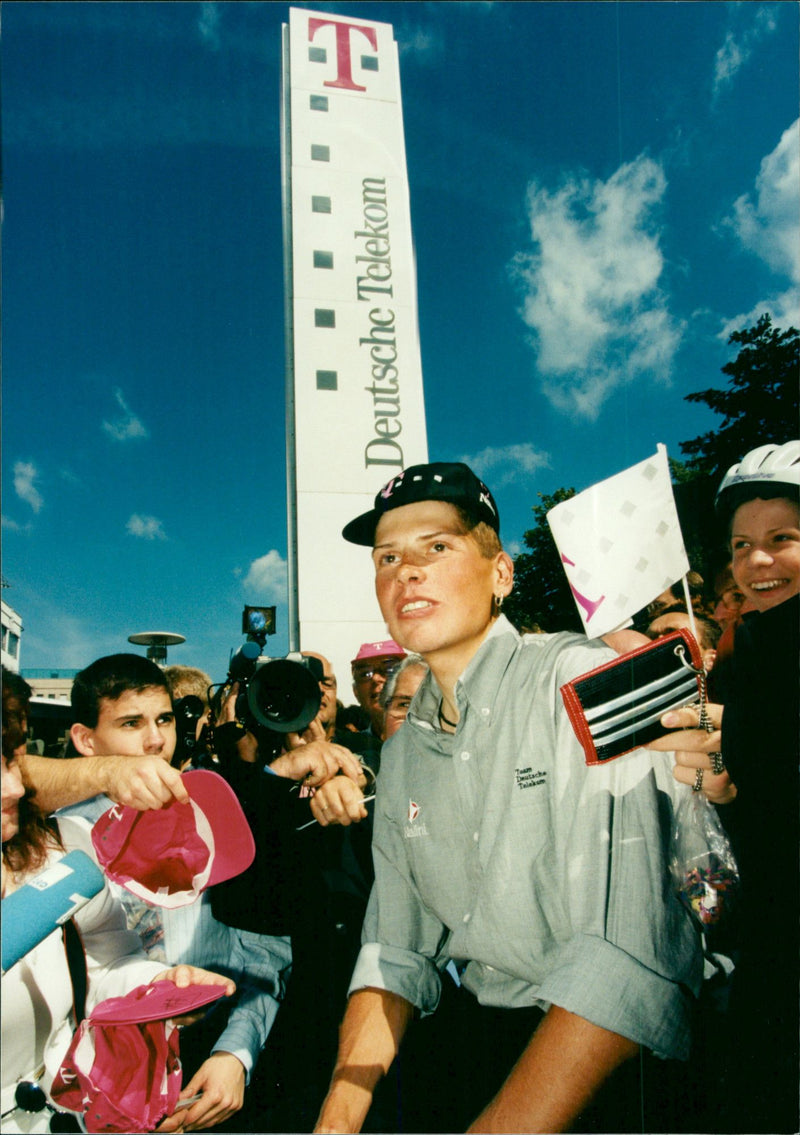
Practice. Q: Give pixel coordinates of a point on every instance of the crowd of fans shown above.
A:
(419, 866)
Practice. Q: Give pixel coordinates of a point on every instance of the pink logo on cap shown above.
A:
(390, 486)
(386, 649)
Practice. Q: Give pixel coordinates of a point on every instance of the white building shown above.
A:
(12, 637)
(355, 410)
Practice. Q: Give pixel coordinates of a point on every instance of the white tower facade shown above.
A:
(355, 410)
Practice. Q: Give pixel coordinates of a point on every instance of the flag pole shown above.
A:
(689, 608)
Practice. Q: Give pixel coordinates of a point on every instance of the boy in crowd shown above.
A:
(123, 709)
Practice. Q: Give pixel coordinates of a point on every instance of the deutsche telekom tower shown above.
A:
(355, 411)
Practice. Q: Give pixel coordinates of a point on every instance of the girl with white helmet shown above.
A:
(758, 502)
(758, 498)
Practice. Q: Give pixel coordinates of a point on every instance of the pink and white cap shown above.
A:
(386, 649)
(168, 856)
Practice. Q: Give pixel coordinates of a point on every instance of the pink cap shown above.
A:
(155, 1002)
(168, 856)
(122, 1070)
(387, 649)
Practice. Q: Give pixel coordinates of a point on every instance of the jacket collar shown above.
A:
(479, 684)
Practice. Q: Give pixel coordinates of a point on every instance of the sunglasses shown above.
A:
(382, 669)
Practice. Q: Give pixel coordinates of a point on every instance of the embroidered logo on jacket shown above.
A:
(412, 828)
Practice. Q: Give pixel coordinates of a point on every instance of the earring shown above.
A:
(497, 604)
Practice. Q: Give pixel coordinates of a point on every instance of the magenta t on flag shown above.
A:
(620, 543)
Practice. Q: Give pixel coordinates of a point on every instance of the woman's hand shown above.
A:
(697, 752)
(183, 976)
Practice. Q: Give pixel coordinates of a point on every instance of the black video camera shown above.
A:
(280, 694)
(189, 746)
(275, 696)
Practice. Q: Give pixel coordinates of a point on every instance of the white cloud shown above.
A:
(727, 62)
(592, 286)
(425, 44)
(127, 425)
(25, 476)
(146, 527)
(770, 225)
(767, 224)
(208, 24)
(502, 465)
(738, 47)
(783, 309)
(266, 578)
(67, 640)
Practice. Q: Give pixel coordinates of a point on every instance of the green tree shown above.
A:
(760, 404)
(541, 596)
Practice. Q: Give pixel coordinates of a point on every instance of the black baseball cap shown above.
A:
(452, 482)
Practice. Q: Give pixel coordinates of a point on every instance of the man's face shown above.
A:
(139, 723)
(678, 621)
(433, 585)
(327, 689)
(369, 678)
(765, 542)
(729, 604)
(405, 687)
(666, 624)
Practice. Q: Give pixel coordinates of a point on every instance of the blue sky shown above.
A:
(600, 193)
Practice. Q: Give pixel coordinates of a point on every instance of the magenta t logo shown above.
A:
(589, 605)
(344, 77)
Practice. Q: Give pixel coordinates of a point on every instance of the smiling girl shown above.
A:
(758, 500)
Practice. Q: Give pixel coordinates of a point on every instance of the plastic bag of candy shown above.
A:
(702, 862)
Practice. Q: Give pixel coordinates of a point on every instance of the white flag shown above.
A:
(620, 543)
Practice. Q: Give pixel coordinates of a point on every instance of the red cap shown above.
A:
(387, 649)
(168, 856)
(122, 1071)
(155, 1002)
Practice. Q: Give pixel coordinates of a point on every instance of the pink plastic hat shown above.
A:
(168, 856)
(387, 649)
(122, 1070)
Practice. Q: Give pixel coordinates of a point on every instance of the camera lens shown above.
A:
(283, 695)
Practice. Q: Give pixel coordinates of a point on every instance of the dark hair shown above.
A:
(26, 850)
(352, 715)
(14, 733)
(110, 678)
(709, 629)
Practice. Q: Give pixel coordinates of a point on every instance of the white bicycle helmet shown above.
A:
(768, 471)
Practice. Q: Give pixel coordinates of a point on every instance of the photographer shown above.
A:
(305, 878)
(189, 687)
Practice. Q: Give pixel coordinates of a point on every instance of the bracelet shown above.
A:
(368, 772)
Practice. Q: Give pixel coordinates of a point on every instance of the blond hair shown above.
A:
(185, 680)
(483, 534)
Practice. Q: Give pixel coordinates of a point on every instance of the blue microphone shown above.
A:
(46, 902)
